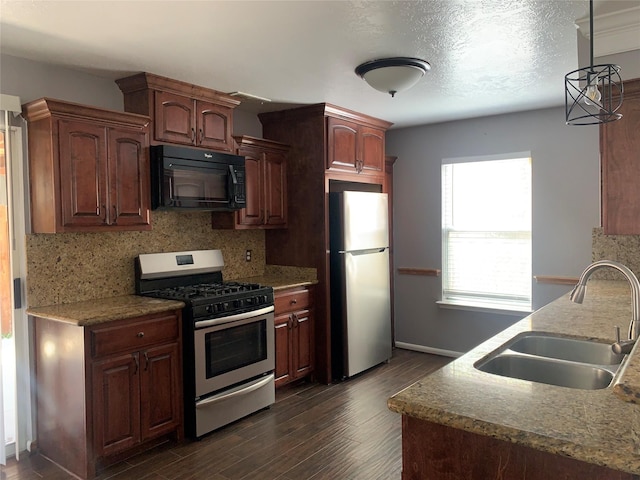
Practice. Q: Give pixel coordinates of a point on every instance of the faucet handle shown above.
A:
(624, 347)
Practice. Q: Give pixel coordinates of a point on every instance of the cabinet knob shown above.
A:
(140, 334)
(293, 302)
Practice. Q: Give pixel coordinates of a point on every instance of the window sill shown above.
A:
(484, 307)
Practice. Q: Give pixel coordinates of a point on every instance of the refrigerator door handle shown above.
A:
(363, 252)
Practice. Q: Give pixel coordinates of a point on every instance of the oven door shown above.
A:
(233, 349)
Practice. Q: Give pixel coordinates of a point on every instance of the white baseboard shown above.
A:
(423, 349)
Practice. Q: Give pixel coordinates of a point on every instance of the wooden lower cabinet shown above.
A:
(107, 391)
(437, 452)
(294, 337)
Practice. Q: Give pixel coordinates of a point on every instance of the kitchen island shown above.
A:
(460, 422)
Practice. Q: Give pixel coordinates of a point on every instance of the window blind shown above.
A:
(486, 232)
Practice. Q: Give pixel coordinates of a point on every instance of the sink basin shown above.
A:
(563, 348)
(549, 371)
(554, 360)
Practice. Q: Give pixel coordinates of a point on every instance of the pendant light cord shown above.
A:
(591, 33)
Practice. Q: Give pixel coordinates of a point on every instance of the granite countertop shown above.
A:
(595, 426)
(281, 279)
(101, 310)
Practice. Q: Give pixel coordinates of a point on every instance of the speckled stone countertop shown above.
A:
(595, 426)
(282, 277)
(102, 310)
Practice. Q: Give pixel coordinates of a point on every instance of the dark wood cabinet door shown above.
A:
(372, 150)
(174, 118)
(302, 343)
(620, 157)
(213, 126)
(129, 168)
(253, 213)
(283, 329)
(160, 390)
(275, 195)
(116, 404)
(83, 173)
(342, 148)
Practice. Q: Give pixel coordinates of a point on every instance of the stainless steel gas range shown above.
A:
(228, 334)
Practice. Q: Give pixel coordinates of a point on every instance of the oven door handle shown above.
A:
(242, 391)
(233, 318)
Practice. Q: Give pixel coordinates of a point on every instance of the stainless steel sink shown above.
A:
(549, 371)
(584, 351)
(554, 360)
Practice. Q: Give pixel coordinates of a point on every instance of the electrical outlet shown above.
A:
(247, 255)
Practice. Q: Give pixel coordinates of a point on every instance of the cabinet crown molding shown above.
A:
(45, 107)
(328, 110)
(145, 80)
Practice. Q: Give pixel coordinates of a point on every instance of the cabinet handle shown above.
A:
(295, 320)
(140, 334)
(201, 136)
(293, 301)
(289, 322)
(115, 213)
(193, 135)
(135, 357)
(146, 360)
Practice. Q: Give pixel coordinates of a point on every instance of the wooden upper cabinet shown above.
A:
(253, 213)
(88, 168)
(181, 113)
(353, 147)
(620, 164)
(265, 184)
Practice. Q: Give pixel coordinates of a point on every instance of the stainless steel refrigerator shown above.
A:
(360, 284)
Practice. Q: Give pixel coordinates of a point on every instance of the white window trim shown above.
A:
(500, 308)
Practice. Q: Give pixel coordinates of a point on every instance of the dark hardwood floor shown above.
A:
(338, 432)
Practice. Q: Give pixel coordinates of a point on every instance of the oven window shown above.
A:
(235, 347)
(196, 185)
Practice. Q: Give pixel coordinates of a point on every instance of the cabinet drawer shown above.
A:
(134, 335)
(290, 300)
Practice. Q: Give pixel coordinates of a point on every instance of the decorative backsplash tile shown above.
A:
(620, 248)
(71, 267)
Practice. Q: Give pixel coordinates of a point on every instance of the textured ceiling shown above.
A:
(486, 56)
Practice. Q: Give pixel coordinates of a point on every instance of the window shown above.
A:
(486, 232)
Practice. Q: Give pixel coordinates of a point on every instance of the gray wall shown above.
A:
(565, 170)
(31, 80)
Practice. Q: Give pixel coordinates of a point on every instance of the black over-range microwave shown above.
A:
(183, 177)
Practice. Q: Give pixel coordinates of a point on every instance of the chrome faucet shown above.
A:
(577, 296)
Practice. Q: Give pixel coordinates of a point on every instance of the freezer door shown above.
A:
(368, 310)
(365, 220)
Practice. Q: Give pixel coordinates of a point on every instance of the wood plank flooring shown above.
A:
(342, 431)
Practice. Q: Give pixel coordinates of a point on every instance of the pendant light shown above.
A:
(393, 75)
(593, 94)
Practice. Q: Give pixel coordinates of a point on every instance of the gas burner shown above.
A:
(206, 290)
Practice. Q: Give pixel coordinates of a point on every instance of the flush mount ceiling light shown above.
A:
(393, 75)
(593, 94)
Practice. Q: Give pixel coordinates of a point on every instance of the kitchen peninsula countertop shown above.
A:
(91, 312)
(594, 426)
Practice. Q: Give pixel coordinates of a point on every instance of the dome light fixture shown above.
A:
(593, 94)
(393, 75)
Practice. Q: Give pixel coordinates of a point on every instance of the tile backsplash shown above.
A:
(71, 267)
(620, 248)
